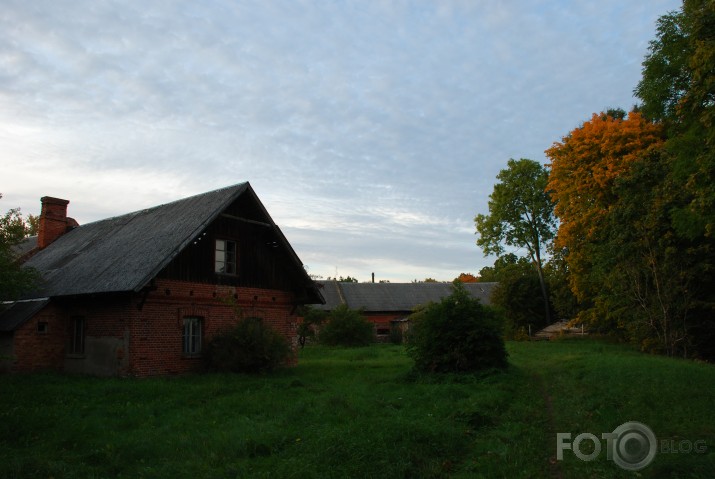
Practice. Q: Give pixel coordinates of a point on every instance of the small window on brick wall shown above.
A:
(192, 335)
(42, 327)
(78, 326)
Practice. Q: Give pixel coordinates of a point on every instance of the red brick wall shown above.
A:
(107, 324)
(122, 339)
(156, 335)
(35, 351)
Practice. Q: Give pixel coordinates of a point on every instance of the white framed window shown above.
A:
(225, 257)
(192, 335)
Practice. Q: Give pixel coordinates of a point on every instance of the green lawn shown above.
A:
(360, 413)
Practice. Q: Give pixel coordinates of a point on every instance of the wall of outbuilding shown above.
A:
(141, 334)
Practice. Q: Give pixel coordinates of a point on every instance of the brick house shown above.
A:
(387, 305)
(139, 294)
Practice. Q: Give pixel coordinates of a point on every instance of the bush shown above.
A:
(347, 327)
(458, 334)
(248, 347)
(312, 319)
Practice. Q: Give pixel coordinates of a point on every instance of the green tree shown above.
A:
(502, 265)
(312, 318)
(521, 215)
(14, 279)
(678, 88)
(347, 279)
(518, 294)
(458, 334)
(655, 282)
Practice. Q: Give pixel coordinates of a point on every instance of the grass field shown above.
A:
(360, 413)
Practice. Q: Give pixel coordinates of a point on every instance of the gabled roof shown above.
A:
(124, 253)
(394, 297)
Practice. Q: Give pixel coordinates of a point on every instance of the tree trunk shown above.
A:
(544, 292)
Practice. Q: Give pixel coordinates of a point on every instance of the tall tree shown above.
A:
(653, 281)
(584, 166)
(678, 88)
(521, 215)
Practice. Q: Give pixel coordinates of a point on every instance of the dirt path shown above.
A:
(554, 467)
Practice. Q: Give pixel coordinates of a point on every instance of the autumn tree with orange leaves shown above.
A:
(584, 167)
(467, 278)
(632, 271)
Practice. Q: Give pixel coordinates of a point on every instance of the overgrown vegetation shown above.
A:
(249, 347)
(312, 318)
(357, 413)
(15, 280)
(458, 334)
(346, 327)
(634, 194)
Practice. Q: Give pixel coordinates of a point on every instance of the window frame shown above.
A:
(78, 335)
(192, 336)
(228, 262)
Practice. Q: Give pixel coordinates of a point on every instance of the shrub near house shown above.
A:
(346, 327)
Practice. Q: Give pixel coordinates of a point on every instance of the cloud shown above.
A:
(381, 121)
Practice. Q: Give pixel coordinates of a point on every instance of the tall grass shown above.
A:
(358, 413)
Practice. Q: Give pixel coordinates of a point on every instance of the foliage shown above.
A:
(14, 279)
(518, 294)
(521, 215)
(249, 347)
(678, 88)
(347, 279)
(561, 297)
(518, 298)
(346, 327)
(502, 265)
(636, 198)
(458, 334)
(655, 281)
(584, 167)
(312, 318)
(467, 278)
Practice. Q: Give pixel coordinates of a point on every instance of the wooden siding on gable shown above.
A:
(261, 263)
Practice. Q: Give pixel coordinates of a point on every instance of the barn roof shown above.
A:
(125, 252)
(394, 297)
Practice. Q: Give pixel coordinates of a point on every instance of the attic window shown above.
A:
(225, 259)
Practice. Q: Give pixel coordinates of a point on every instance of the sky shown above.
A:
(372, 131)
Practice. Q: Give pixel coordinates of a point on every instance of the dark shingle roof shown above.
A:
(14, 314)
(384, 297)
(125, 252)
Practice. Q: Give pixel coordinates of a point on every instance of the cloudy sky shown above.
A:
(371, 130)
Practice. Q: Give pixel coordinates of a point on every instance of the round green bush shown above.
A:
(346, 327)
(458, 334)
(248, 347)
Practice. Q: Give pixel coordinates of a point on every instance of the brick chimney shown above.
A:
(53, 220)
